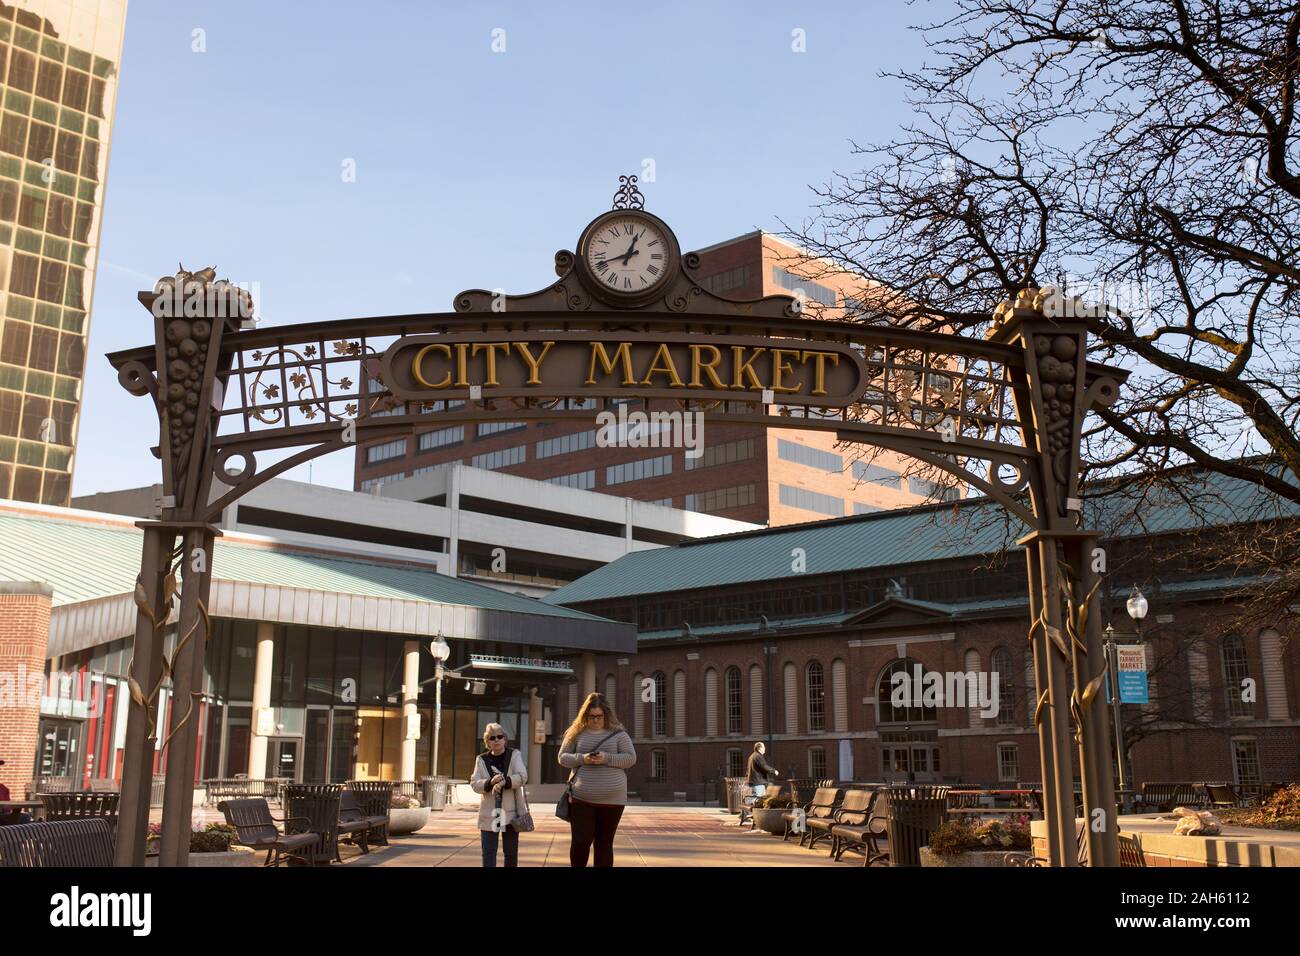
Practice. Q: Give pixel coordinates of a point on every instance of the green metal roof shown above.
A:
(85, 558)
(909, 536)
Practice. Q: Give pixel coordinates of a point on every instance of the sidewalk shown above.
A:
(647, 836)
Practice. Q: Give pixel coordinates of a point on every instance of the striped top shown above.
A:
(600, 784)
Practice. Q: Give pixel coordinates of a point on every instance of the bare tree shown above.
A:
(1141, 154)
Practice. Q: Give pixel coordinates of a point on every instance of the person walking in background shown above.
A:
(759, 773)
(499, 777)
(599, 752)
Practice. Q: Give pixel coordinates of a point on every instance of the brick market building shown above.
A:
(791, 635)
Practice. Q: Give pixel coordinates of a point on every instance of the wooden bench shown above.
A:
(376, 799)
(59, 843)
(817, 825)
(256, 828)
(1163, 796)
(354, 824)
(821, 805)
(857, 826)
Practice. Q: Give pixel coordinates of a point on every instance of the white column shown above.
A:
(262, 718)
(410, 714)
(534, 748)
(588, 674)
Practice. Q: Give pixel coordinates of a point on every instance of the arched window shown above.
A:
(611, 689)
(815, 682)
(899, 702)
(735, 707)
(1235, 670)
(1000, 664)
(660, 705)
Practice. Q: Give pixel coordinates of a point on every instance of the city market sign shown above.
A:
(624, 364)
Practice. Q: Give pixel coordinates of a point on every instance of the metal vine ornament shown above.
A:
(628, 316)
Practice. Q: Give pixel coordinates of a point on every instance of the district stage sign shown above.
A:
(1132, 673)
(611, 364)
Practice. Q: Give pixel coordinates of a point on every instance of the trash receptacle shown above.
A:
(435, 792)
(733, 785)
(915, 812)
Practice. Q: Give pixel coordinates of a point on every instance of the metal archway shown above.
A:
(1003, 414)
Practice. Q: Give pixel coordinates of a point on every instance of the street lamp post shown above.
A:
(440, 651)
(1137, 607)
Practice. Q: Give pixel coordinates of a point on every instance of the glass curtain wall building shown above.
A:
(58, 83)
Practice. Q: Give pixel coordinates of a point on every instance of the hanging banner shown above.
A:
(1132, 673)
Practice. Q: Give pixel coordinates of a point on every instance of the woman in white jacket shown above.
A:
(499, 776)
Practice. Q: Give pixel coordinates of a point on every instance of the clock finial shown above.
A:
(628, 195)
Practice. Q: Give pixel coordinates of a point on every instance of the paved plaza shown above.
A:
(647, 836)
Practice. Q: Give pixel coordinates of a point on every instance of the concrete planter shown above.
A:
(965, 858)
(773, 820)
(229, 858)
(407, 820)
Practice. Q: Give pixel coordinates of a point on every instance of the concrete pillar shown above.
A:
(534, 748)
(24, 637)
(588, 674)
(453, 518)
(410, 713)
(262, 724)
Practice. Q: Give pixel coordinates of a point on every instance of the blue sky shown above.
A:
(472, 166)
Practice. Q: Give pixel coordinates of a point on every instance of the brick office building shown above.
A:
(746, 472)
(738, 648)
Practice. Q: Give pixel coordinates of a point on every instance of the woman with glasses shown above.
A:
(499, 775)
(598, 751)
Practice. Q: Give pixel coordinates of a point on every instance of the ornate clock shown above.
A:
(626, 255)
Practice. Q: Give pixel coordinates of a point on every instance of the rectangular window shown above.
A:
(386, 450)
(1008, 762)
(639, 470)
(563, 444)
(659, 766)
(383, 480)
(441, 438)
(817, 762)
(798, 284)
(585, 480)
(721, 499)
(725, 281)
(862, 508)
(811, 501)
(813, 457)
(877, 475)
(735, 763)
(496, 428)
(725, 454)
(501, 458)
(1245, 761)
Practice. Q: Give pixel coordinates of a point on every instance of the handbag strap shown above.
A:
(599, 743)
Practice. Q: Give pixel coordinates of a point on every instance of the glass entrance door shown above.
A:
(284, 758)
(60, 748)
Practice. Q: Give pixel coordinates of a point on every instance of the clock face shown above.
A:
(628, 255)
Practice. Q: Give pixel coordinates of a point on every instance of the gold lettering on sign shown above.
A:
(708, 368)
(462, 373)
(782, 368)
(534, 364)
(819, 376)
(621, 354)
(418, 373)
(491, 358)
(668, 368)
(745, 368)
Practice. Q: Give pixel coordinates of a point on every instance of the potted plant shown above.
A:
(212, 845)
(967, 842)
(406, 815)
(769, 813)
